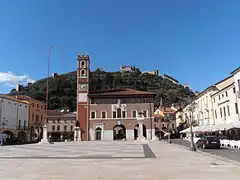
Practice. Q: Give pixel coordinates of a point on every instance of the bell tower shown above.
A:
(83, 72)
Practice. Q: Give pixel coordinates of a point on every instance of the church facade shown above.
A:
(112, 114)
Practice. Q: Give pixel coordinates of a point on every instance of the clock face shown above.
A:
(83, 87)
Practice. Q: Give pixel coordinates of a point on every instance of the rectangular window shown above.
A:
(234, 90)
(219, 97)
(172, 126)
(37, 117)
(123, 114)
(24, 125)
(216, 114)
(222, 95)
(228, 109)
(103, 114)
(19, 124)
(119, 113)
(221, 112)
(32, 117)
(134, 114)
(53, 128)
(114, 114)
(93, 115)
(226, 94)
(238, 84)
(167, 126)
(65, 128)
(224, 111)
(145, 113)
(236, 107)
(214, 100)
(71, 127)
(58, 128)
(37, 105)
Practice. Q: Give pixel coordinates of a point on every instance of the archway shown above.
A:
(56, 137)
(119, 132)
(98, 133)
(144, 131)
(136, 131)
(32, 133)
(9, 134)
(22, 136)
(41, 133)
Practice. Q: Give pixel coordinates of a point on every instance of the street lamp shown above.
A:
(191, 109)
(169, 133)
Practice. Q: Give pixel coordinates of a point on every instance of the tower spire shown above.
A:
(161, 103)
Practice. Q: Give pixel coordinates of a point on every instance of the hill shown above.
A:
(62, 88)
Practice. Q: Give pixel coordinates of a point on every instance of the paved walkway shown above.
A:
(118, 160)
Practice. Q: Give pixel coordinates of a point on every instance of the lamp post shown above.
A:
(2, 138)
(169, 132)
(45, 132)
(191, 109)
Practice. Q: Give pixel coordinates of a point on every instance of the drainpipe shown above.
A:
(1, 109)
(212, 110)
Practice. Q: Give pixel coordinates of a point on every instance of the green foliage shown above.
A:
(62, 89)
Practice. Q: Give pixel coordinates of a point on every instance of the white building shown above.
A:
(14, 117)
(219, 103)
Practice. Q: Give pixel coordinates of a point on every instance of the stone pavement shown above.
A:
(111, 161)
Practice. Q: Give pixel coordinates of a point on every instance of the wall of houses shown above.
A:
(218, 103)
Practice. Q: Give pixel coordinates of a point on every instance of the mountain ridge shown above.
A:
(62, 88)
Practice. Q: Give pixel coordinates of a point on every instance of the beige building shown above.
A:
(60, 126)
(217, 104)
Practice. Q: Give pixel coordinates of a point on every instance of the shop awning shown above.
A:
(213, 128)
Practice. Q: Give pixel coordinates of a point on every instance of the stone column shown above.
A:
(44, 140)
(140, 132)
(77, 134)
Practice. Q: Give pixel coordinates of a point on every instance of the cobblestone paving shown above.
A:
(76, 150)
(173, 162)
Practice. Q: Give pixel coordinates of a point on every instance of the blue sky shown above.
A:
(196, 42)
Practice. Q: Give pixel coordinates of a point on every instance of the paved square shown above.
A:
(104, 160)
(78, 150)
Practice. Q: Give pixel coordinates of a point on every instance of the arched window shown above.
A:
(82, 73)
(82, 64)
(119, 113)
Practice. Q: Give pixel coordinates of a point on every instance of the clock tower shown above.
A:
(82, 94)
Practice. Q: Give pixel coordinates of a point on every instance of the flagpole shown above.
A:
(45, 133)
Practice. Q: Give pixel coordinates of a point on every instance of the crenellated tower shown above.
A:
(83, 72)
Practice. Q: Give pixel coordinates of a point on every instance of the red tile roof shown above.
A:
(121, 92)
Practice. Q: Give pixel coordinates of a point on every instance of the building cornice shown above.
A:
(221, 90)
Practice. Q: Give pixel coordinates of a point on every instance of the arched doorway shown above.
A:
(98, 133)
(119, 132)
(32, 133)
(144, 131)
(22, 136)
(9, 134)
(136, 131)
(56, 137)
(41, 133)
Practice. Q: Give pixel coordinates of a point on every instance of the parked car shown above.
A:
(208, 142)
